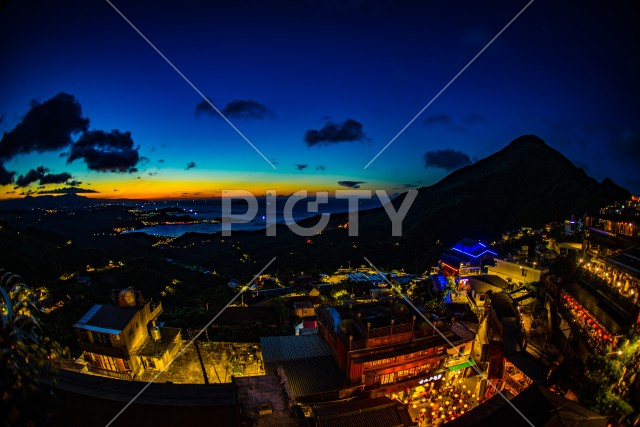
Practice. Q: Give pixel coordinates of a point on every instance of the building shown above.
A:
(540, 407)
(613, 228)
(124, 339)
(374, 412)
(306, 366)
(384, 348)
(466, 257)
(478, 287)
(517, 272)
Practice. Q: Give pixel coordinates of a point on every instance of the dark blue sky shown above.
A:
(354, 72)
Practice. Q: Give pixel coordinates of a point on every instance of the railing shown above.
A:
(123, 375)
(119, 352)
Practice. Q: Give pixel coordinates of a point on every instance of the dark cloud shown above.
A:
(160, 160)
(320, 168)
(473, 118)
(408, 185)
(55, 178)
(32, 176)
(144, 160)
(40, 174)
(348, 131)
(438, 119)
(445, 120)
(446, 159)
(351, 184)
(190, 165)
(153, 173)
(45, 127)
(238, 109)
(6, 177)
(301, 166)
(67, 190)
(106, 151)
(74, 183)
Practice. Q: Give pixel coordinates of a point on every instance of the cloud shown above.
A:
(238, 109)
(6, 177)
(441, 119)
(160, 160)
(447, 159)
(45, 127)
(438, 119)
(351, 184)
(190, 165)
(301, 166)
(320, 168)
(473, 118)
(348, 131)
(32, 176)
(74, 183)
(153, 173)
(106, 151)
(40, 174)
(67, 190)
(55, 178)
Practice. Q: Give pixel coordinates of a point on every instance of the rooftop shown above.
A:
(307, 361)
(376, 412)
(541, 407)
(152, 348)
(109, 319)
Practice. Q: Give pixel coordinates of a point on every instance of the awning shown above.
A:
(461, 365)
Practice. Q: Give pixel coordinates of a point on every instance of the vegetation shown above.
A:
(27, 354)
(601, 389)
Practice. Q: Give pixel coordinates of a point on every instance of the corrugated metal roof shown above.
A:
(310, 376)
(292, 347)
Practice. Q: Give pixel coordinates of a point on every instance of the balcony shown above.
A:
(119, 352)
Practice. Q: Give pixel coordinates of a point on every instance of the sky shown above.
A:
(87, 106)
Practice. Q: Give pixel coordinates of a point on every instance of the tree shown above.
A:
(26, 354)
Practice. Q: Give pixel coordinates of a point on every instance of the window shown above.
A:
(384, 379)
(102, 339)
(382, 361)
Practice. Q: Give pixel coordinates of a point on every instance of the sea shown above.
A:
(210, 209)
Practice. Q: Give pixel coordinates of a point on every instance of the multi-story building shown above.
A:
(124, 339)
(384, 349)
(516, 271)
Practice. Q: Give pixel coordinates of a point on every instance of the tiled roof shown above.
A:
(292, 347)
(376, 412)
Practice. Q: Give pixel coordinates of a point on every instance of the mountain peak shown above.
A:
(529, 140)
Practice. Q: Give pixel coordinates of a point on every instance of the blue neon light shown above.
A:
(474, 256)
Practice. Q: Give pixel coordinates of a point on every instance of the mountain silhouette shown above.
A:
(527, 183)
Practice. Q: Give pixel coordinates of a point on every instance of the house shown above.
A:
(478, 287)
(518, 272)
(123, 340)
(466, 257)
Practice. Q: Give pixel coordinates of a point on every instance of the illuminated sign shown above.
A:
(433, 378)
